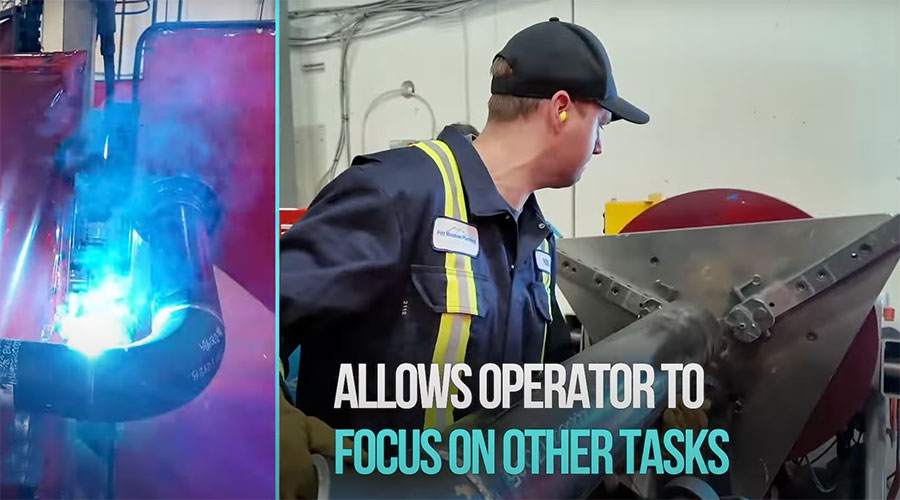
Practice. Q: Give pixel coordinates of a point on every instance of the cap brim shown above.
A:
(624, 110)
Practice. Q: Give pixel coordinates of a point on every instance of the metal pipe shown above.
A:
(677, 333)
(159, 373)
(891, 369)
(159, 27)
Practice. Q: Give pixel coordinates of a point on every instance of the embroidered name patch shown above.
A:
(451, 235)
(543, 260)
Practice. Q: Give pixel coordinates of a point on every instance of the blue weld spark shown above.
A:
(100, 318)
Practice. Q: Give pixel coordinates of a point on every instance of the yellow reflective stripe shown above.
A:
(437, 417)
(464, 216)
(457, 181)
(462, 299)
(281, 369)
(454, 328)
(448, 197)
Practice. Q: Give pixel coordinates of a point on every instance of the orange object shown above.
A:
(287, 217)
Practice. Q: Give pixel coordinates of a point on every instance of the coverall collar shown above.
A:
(483, 199)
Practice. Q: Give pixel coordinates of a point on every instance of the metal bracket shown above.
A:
(626, 295)
(755, 315)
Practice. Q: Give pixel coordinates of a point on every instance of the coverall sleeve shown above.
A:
(339, 259)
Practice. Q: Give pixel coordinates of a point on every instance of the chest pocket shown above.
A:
(450, 291)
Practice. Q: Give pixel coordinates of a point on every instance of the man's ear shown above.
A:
(562, 107)
(562, 102)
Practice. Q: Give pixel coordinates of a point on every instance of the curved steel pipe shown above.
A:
(156, 374)
(676, 333)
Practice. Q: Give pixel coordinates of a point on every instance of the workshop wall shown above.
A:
(192, 10)
(796, 99)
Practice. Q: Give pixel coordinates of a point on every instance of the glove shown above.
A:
(300, 438)
(684, 418)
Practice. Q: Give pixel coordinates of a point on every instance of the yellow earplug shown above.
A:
(562, 116)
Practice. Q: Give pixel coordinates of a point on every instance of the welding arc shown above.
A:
(159, 373)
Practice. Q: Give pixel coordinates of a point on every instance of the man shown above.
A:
(439, 253)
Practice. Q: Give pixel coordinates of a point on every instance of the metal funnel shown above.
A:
(812, 281)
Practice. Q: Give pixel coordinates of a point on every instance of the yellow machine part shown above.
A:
(619, 213)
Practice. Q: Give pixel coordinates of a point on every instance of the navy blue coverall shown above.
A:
(364, 279)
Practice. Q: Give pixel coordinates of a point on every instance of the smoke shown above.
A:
(205, 109)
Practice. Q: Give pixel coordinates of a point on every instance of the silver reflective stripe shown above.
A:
(453, 325)
(456, 331)
(448, 169)
(465, 300)
(442, 418)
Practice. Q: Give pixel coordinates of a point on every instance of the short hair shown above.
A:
(503, 107)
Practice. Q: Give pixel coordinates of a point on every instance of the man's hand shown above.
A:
(300, 438)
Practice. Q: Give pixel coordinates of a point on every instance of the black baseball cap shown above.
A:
(554, 55)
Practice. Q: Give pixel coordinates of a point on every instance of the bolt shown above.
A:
(743, 327)
(801, 286)
(757, 279)
(811, 336)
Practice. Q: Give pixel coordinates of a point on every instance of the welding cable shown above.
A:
(106, 31)
(363, 20)
(156, 374)
(344, 138)
(133, 12)
(407, 92)
(826, 450)
(817, 482)
(841, 468)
